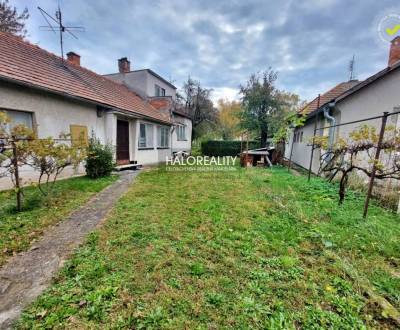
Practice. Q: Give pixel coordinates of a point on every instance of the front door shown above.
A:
(122, 142)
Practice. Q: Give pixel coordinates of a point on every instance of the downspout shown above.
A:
(332, 122)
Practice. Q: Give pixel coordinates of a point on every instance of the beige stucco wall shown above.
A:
(52, 115)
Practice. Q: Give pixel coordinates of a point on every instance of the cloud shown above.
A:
(222, 42)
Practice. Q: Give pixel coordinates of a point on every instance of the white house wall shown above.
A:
(382, 95)
(182, 145)
(151, 81)
(150, 156)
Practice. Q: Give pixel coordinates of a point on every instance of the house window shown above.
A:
(159, 91)
(163, 137)
(146, 136)
(181, 132)
(79, 135)
(18, 118)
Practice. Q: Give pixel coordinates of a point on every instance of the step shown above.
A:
(128, 167)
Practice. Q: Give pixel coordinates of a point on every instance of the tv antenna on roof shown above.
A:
(59, 26)
(351, 68)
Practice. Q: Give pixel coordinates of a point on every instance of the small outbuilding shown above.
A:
(256, 157)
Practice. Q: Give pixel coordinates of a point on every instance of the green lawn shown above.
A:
(247, 249)
(19, 229)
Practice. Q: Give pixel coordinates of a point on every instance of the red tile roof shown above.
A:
(30, 64)
(328, 96)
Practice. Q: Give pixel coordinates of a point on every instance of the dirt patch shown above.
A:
(26, 275)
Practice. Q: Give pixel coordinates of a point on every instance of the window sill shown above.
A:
(146, 148)
(182, 140)
(162, 147)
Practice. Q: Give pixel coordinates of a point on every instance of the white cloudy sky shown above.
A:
(222, 42)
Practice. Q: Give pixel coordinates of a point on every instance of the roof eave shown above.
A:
(381, 74)
(77, 98)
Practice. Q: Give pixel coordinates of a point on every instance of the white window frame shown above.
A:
(181, 133)
(146, 141)
(163, 137)
(13, 123)
(158, 90)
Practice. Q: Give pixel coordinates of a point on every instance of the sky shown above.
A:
(221, 43)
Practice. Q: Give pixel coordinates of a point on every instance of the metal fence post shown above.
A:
(377, 154)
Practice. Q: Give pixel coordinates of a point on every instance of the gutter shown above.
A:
(332, 122)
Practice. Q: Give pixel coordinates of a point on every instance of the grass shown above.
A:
(244, 249)
(19, 229)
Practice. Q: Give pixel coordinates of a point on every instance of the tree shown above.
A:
(11, 21)
(198, 104)
(288, 118)
(260, 104)
(13, 153)
(100, 161)
(357, 154)
(50, 157)
(229, 118)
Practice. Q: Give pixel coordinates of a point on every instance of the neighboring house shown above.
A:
(347, 102)
(54, 96)
(162, 95)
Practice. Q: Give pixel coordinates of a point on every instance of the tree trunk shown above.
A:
(16, 177)
(263, 140)
(342, 188)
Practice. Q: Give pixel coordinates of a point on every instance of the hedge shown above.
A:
(225, 148)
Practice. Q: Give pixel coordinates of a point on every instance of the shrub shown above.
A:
(99, 162)
(225, 148)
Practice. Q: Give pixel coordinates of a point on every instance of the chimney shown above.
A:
(124, 65)
(394, 55)
(73, 58)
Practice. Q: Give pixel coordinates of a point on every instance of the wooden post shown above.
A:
(312, 151)
(291, 153)
(247, 149)
(16, 175)
(377, 154)
(241, 143)
(398, 207)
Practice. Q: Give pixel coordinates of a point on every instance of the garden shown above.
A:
(251, 248)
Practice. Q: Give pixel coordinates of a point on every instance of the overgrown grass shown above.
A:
(245, 249)
(19, 229)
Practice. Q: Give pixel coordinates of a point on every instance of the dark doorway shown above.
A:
(122, 142)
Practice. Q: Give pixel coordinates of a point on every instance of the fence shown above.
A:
(368, 155)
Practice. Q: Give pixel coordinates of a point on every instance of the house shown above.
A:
(53, 96)
(162, 95)
(348, 102)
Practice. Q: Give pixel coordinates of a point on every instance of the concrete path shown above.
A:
(25, 276)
